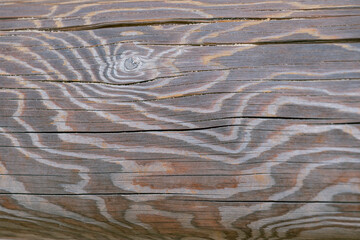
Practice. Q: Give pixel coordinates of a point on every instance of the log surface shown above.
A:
(189, 120)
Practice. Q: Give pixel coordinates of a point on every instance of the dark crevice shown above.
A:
(174, 21)
(185, 73)
(260, 43)
(185, 200)
(131, 131)
(261, 10)
(176, 130)
(106, 83)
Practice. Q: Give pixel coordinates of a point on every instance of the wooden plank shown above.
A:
(179, 119)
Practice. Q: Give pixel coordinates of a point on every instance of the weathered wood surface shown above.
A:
(180, 119)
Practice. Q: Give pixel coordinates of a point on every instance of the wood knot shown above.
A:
(132, 63)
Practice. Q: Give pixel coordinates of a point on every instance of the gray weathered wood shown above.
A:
(180, 119)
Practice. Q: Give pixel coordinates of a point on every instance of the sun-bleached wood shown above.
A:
(180, 119)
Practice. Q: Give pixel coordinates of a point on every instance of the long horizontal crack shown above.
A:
(351, 7)
(162, 130)
(260, 43)
(130, 131)
(181, 74)
(174, 21)
(331, 8)
(187, 200)
(108, 83)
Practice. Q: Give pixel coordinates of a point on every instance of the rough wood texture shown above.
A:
(180, 119)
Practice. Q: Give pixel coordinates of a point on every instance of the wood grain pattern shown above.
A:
(180, 119)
